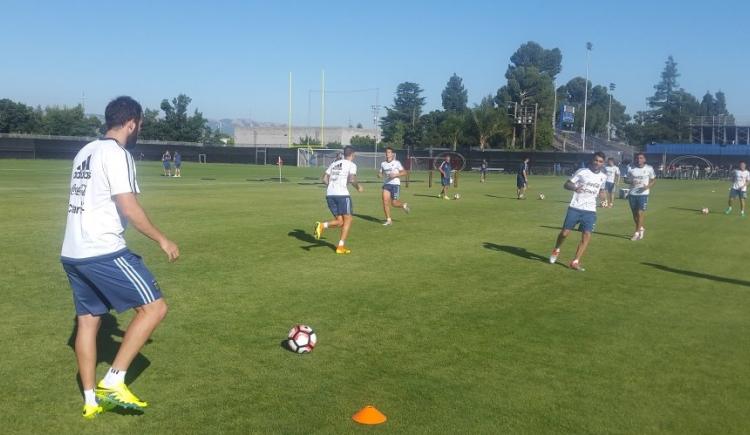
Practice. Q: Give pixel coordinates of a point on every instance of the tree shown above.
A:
(177, 125)
(64, 121)
(452, 127)
(708, 105)
(403, 117)
(455, 95)
(572, 94)
(18, 118)
(358, 140)
(531, 82)
(488, 121)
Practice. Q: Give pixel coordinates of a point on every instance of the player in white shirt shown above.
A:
(337, 177)
(587, 185)
(613, 177)
(391, 169)
(641, 178)
(102, 272)
(740, 179)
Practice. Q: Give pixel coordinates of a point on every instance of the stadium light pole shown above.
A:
(609, 112)
(585, 97)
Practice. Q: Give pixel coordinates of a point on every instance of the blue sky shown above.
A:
(233, 58)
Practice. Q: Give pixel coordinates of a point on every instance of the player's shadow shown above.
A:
(107, 347)
(426, 196)
(618, 236)
(309, 238)
(501, 197)
(699, 274)
(367, 218)
(694, 210)
(515, 250)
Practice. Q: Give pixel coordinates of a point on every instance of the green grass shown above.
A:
(450, 321)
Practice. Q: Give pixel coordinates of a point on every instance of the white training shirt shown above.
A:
(338, 177)
(592, 183)
(612, 172)
(386, 168)
(101, 169)
(740, 179)
(640, 178)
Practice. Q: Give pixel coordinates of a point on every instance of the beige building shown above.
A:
(276, 136)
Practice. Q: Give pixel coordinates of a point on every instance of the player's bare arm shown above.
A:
(326, 179)
(353, 181)
(129, 207)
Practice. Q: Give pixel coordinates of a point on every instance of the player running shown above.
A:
(338, 175)
(391, 170)
(445, 176)
(740, 178)
(613, 178)
(587, 184)
(641, 178)
(102, 272)
(522, 179)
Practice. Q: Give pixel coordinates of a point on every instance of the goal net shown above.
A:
(322, 157)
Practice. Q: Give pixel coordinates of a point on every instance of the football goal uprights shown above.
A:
(322, 157)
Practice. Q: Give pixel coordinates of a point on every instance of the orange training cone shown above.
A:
(369, 415)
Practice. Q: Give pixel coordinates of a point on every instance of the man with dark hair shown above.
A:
(641, 178)
(522, 179)
(391, 169)
(102, 272)
(740, 178)
(337, 177)
(587, 184)
(445, 170)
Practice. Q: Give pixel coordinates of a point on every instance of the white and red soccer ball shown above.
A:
(302, 339)
(704, 210)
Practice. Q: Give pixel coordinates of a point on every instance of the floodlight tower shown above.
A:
(612, 87)
(589, 46)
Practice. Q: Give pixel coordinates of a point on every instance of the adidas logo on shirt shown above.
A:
(83, 171)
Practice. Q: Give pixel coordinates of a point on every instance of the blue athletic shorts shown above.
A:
(609, 186)
(638, 202)
(520, 182)
(167, 165)
(395, 189)
(586, 220)
(736, 193)
(178, 165)
(339, 205)
(119, 280)
(445, 181)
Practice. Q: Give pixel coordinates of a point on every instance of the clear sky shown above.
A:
(233, 58)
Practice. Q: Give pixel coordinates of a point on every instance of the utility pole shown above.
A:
(589, 46)
(609, 112)
(536, 110)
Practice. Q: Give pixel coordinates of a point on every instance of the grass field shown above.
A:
(450, 321)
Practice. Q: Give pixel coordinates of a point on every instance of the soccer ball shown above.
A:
(704, 210)
(457, 196)
(541, 196)
(302, 339)
(604, 203)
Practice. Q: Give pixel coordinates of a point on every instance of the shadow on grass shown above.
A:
(515, 250)
(618, 236)
(367, 218)
(501, 197)
(427, 196)
(274, 179)
(695, 210)
(309, 238)
(699, 274)
(107, 348)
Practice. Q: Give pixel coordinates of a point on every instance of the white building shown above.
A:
(276, 136)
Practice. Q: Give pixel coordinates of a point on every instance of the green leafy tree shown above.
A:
(308, 140)
(453, 127)
(178, 125)
(19, 118)
(402, 117)
(358, 140)
(489, 121)
(65, 121)
(455, 95)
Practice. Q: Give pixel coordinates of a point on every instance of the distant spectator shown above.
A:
(166, 161)
(177, 164)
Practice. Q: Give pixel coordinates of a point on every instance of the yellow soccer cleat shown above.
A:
(343, 250)
(91, 411)
(119, 395)
(318, 230)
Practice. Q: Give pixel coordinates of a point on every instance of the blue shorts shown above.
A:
(520, 182)
(736, 193)
(119, 280)
(609, 186)
(638, 202)
(445, 181)
(395, 189)
(167, 165)
(586, 220)
(339, 205)
(178, 165)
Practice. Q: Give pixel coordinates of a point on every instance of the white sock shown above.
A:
(325, 224)
(341, 243)
(113, 377)
(89, 397)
